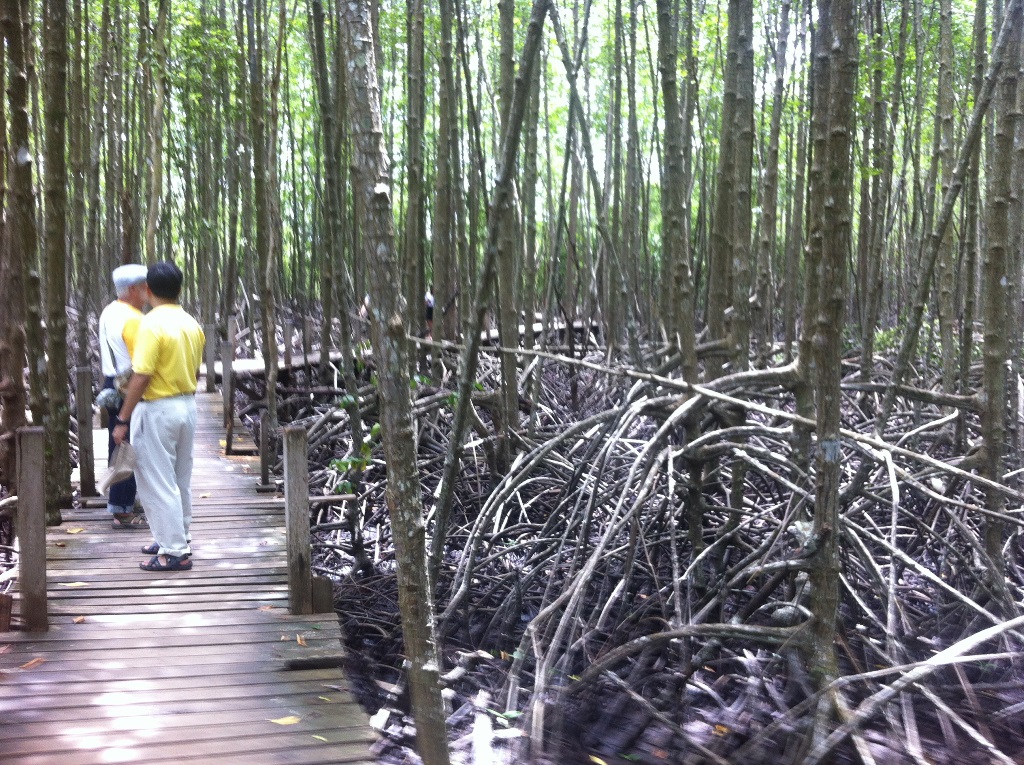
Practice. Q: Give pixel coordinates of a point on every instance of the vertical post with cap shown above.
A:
(266, 443)
(227, 386)
(31, 528)
(83, 406)
(296, 503)
(288, 326)
(211, 357)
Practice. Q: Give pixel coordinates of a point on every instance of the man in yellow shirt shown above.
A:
(118, 325)
(160, 405)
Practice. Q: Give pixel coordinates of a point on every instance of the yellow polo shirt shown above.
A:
(169, 348)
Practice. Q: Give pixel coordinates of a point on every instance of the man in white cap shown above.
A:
(118, 326)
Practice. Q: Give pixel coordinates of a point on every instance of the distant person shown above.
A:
(118, 326)
(160, 404)
(428, 311)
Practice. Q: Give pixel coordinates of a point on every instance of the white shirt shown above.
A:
(114, 356)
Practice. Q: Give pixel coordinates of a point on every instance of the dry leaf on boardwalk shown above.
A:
(289, 720)
(34, 663)
(74, 531)
(300, 640)
(79, 619)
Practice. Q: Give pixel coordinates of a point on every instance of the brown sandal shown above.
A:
(129, 521)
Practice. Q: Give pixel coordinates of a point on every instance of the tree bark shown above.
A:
(996, 297)
(156, 129)
(58, 458)
(835, 82)
(769, 196)
(13, 397)
(24, 233)
(414, 213)
(265, 254)
(387, 332)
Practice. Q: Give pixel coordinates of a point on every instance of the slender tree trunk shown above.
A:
(743, 130)
(835, 82)
(971, 222)
(996, 297)
(264, 234)
(387, 332)
(945, 266)
(77, 142)
(795, 237)
(24, 233)
(721, 254)
(508, 324)
(445, 285)
(414, 213)
(156, 128)
(13, 397)
(58, 490)
(769, 196)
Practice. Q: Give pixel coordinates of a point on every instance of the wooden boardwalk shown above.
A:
(196, 666)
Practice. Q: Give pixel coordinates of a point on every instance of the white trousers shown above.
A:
(163, 432)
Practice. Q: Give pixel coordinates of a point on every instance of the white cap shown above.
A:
(128, 276)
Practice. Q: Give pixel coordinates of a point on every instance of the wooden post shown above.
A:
(211, 357)
(232, 330)
(31, 528)
(323, 595)
(86, 457)
(227, 379)
(265, 485)
(288, 328)
(296, 513)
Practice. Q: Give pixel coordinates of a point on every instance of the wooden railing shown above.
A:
(307, 593)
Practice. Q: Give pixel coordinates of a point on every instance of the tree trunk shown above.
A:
(445, 284)
(996, 298)
(156, 129)
(835, 82)
(414, 213)
(264, 235)
(58, 458)
(769, 198)
(945, 266)
(508, 324)
(24, 233)
(13, 397)
(387, 332)
(721, 252)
